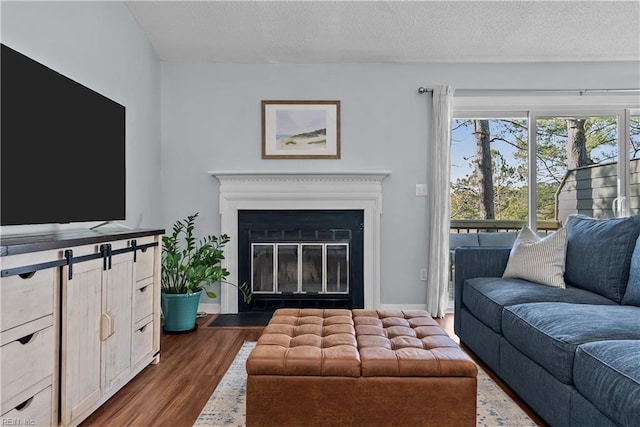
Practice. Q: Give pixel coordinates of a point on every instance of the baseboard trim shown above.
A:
(209, 308)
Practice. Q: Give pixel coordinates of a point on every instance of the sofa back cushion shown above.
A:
(497, 239)
(462, 239)
(599, 253)
(632, 294)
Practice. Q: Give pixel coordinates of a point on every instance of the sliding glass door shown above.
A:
(577, 165)
(489, 163)
(634, 162)
(541, 165)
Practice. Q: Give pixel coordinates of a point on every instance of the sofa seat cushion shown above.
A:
(608, 375)
(549, 332)
(485, 297)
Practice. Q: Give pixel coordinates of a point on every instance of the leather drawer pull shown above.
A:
(24, 404)
(25, 340)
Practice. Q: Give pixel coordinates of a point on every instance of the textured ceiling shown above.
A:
(391, 31)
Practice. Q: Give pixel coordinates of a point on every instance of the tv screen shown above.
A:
(62, 147)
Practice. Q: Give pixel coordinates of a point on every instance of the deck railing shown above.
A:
(498, 225)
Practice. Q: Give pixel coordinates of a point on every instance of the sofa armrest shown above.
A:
(483, 261)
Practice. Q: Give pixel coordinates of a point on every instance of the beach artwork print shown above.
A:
(300, 129)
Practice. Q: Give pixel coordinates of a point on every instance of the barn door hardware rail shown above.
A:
(105, 252)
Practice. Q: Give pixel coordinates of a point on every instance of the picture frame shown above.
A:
(300, 129)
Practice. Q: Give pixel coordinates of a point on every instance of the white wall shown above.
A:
(211, 121)
(208, 117)
(100, 45)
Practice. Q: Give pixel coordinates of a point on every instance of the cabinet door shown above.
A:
(81, 345)
(117, 292)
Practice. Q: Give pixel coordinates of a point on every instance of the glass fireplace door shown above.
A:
(300, 268)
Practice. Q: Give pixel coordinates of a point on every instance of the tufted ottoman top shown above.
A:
(394, 343)
(307, 342)
(355, 343)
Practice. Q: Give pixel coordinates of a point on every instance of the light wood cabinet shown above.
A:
(107, 324)
(28, 340)
(146, 304)
(96, 330)
(82, 347)
(79, 327)
(117, 297)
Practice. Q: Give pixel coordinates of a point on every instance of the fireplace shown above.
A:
(301, 258)
(302, 190)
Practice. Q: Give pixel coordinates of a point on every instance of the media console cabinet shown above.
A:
(79, 318)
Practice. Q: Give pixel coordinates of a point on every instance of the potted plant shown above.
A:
(188, 267)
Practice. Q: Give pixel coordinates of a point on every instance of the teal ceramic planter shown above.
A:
(180, 311)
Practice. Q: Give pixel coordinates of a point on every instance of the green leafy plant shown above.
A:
(189, 266)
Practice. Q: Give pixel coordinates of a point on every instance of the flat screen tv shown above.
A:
(62, 156)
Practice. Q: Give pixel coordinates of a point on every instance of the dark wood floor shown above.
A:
(173, 392)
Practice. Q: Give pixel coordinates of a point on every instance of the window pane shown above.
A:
(489, 169)
(337, 268)
(262, 268)
(576, 166)
(287, 268)
(311, 268)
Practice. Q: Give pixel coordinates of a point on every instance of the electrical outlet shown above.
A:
(421, 189)
(423, 274)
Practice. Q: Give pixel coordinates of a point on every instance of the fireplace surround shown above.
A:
(302, 190)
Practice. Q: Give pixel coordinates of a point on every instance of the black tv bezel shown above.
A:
(93, 175)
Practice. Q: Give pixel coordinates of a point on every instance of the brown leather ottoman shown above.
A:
(315, 367)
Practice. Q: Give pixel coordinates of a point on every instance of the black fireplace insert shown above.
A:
(301, 258)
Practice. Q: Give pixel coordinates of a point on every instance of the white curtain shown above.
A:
(438, 203)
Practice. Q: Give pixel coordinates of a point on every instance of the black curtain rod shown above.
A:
(581, 92)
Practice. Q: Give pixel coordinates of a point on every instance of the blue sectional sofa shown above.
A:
(572, 354)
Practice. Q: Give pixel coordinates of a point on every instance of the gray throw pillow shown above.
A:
(599, 253)
(632, 294)
(538, 260)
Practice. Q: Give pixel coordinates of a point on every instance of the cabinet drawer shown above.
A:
(143, 300)
(27, 360)
(142, 342)
(35, 411)
(145, 260)
(27, 298)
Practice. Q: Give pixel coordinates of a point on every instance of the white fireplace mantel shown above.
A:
(297, 190)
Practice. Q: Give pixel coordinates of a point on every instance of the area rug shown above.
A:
(226, 406)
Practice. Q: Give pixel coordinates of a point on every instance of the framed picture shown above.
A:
(300, 129)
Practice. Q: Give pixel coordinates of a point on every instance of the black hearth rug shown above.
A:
(253, 318)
